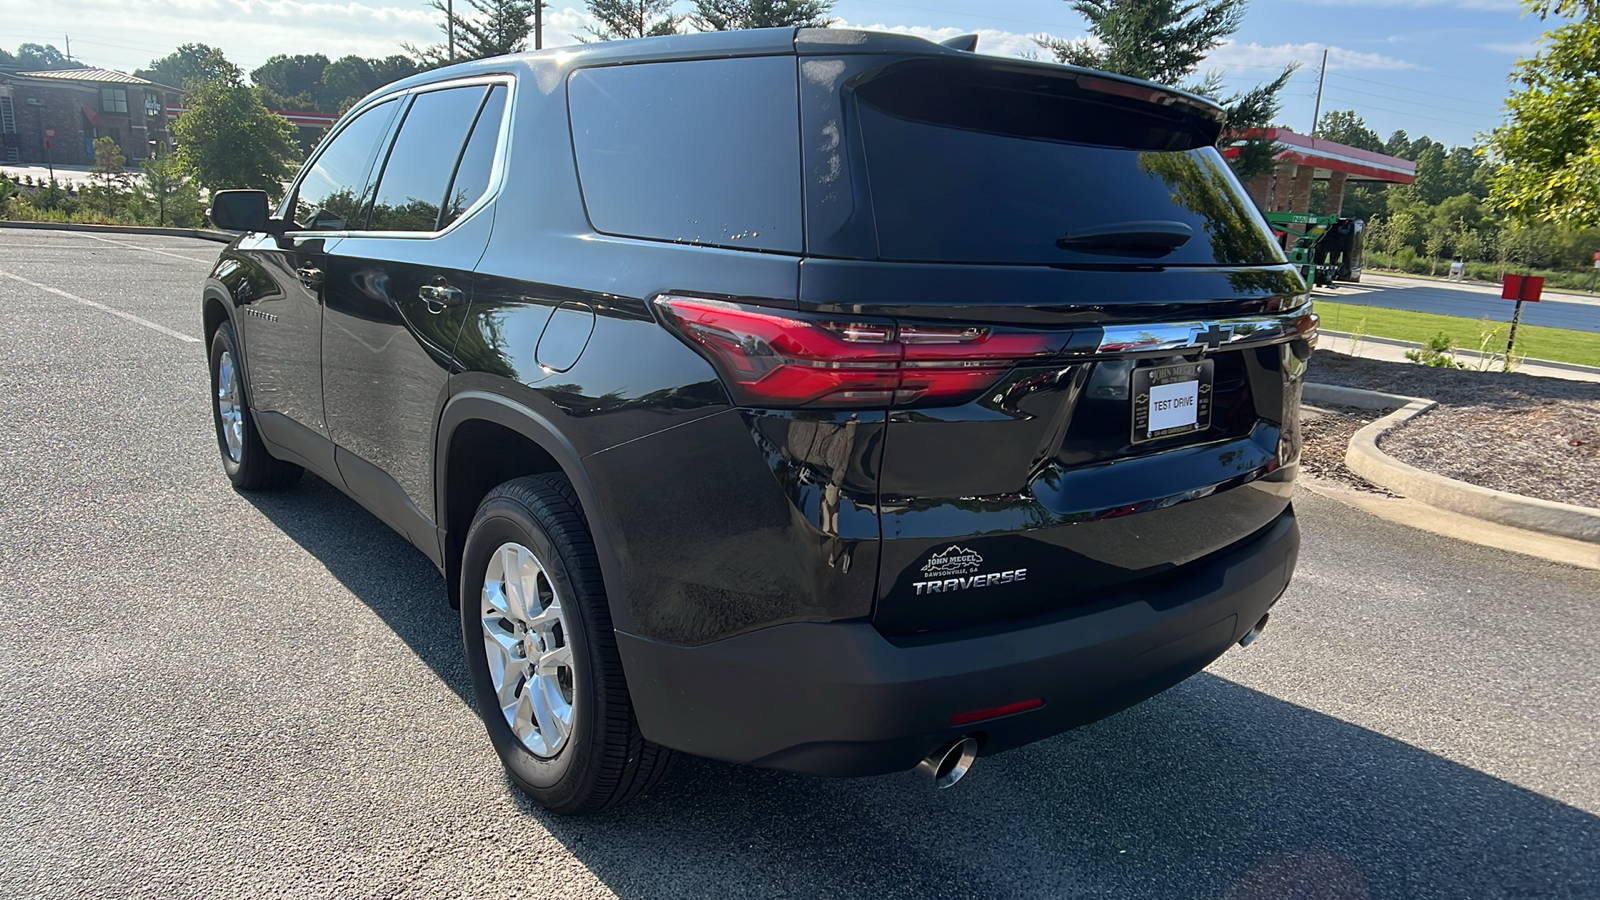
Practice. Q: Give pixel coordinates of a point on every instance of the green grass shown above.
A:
(1533, 341)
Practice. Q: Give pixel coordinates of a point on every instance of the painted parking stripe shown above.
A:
(102, 307)
(95, 237)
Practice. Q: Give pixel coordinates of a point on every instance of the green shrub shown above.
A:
(1405, 259)
(1438, 351)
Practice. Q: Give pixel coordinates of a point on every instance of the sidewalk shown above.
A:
(1391, 350)
(77, 176)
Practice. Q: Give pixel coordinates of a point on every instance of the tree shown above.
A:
(620, 19)
(165, 195)
(36, 57)
(1398, 144)
(1549, 146)
(110, 179)
(1165, 41)
(228, 139)
(727, 15)
(500, 27)
(1433, 241)
(1393, 233)
(189, 63)
(291, 82)
(1344, 126)
(1464, 240)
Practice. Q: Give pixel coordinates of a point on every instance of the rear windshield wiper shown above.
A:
(1145, 239)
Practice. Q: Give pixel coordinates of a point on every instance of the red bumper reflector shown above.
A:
(978, 715)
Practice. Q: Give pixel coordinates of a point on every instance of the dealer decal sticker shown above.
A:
(953, 569)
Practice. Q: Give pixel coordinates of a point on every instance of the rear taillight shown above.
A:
(776, 360)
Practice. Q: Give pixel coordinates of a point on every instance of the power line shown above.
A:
(1408, 88)
(1413, 115)
(1423, 103)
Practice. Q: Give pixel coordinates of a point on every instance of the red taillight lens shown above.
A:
(772, 359)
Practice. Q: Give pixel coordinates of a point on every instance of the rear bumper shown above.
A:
(840, 699)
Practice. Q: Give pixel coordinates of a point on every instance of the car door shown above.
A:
(396, 294)
(283, 327)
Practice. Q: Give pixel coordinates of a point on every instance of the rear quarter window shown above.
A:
(705, 151)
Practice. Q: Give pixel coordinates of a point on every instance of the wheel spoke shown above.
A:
(547, 618)
(494, 594)
(507, 689)
(546, 717)
(550, 664)
(560, 711)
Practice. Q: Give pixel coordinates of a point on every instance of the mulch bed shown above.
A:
(1538, 437)
(1325, 436)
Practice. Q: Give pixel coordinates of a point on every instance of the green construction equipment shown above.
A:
(1326, 249)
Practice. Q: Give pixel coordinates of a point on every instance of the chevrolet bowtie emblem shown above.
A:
(1212, 337)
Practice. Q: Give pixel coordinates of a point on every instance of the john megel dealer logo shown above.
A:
(949, 571)
(954, 561)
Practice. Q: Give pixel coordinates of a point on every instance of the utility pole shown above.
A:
(450, 27)
(538, 24)
(69, 47)
(1316, 113)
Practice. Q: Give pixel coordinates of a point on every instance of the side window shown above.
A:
(706, 151)
(417, 174)
(333, 194)
(477, 163)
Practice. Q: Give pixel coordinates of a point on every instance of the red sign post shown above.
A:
(1523, 289)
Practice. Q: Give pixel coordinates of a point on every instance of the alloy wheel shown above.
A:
(525, 640)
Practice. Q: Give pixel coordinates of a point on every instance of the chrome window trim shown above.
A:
(1209, 334)
(497, 169)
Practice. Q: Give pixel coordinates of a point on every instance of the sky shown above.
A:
(1435, 67)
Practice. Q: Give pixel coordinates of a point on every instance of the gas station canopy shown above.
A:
(1302, 160)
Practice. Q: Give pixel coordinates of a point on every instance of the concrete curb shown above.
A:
(1334, 395)
(204, 234)
(1364, 458)
(1468, 354)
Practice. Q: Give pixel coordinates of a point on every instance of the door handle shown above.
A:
(310, 277)
(440, 296)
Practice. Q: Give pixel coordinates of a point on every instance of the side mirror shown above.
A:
(241, 211)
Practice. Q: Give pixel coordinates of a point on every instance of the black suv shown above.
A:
(823, 400)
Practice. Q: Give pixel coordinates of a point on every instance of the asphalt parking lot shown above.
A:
(211, 694)
(1474, 301)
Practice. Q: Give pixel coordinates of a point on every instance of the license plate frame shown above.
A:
(1147, 380)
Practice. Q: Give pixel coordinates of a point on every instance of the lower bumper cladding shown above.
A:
(841, 699)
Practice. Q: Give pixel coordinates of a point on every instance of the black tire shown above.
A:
(604, 760)
(255, 469)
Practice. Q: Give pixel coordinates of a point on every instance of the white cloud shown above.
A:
(1519, 49)
(1276, 56)
(990, 40)
(247, 31)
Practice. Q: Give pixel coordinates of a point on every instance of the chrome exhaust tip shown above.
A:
(950, 764)
(1251, 635)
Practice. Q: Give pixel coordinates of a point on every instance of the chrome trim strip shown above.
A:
(1211, 334)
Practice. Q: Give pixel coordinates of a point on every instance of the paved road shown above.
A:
(1472, 301)
(207, 694)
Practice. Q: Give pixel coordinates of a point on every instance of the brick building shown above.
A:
(80, 105)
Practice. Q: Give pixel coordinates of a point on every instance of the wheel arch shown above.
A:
(484, 440)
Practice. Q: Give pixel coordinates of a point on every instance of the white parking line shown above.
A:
(102, 240)
(103, 308)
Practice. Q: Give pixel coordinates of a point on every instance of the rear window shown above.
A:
(706, 151)
(997, 169)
